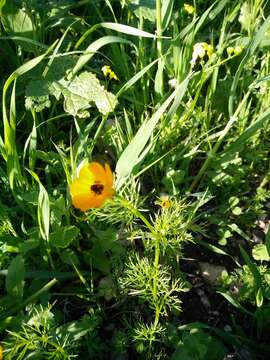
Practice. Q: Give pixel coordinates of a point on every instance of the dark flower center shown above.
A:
(97, 188)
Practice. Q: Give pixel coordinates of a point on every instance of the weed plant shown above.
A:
(174, 97)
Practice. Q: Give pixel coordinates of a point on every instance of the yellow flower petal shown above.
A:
(78, 187)
(189, 9)
(109, 175)
(82, 202)
(98, 172)
(86, 175)
(93, 186)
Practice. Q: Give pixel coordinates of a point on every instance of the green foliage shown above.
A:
(40, 337)
(17, 22)
(243, 285)
(143, 9)
(15, 278)
(197, 344)
(78, 93)
(139, 280)
(64, 236)
(184, 125)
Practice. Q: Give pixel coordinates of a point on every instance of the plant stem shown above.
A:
(159, 39)
(100, 127)
(125, 203)
(159, 27)
(156, 264)
(156, 236)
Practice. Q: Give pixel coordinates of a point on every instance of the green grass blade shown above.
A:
(24, 39)
(253, 45)
(248, 133)
(93, 48)
(9, 152)
(235, 303)
(135, 78)
(129, 30)
(166, 13)
(131, 155)
(43, 208)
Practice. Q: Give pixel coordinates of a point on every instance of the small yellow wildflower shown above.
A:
(108, 72)
(1, 352)
(200, 50)
(189, 9)
(92, 187)
(164, 202)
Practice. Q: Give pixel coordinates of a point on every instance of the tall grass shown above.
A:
(182, 117)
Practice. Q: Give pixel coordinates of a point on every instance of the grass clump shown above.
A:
(170, 258)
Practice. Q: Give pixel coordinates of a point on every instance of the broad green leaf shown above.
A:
(64, 236)
(79, 94)
(37, 95)
(143, 9)
(197, 344)
(38, 88)
(16, 21)
(58, 209)
(98, 259)
(69, 256)
(237, 210)
(15, 277)
(28, 245)
(76, 329)
(259, 252)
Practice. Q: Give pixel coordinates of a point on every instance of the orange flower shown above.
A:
(92, 187)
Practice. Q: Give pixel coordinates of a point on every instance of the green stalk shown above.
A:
(218, 143)
(156, 264)
(159, 27)
(159, 39)
(150, 227)
(125, 203)
(100, 127)
(155, 281)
